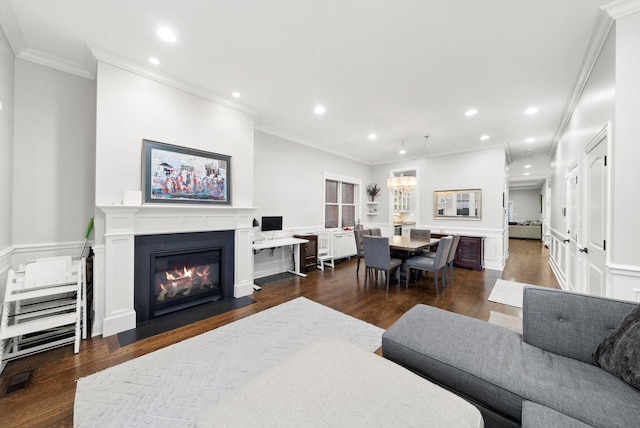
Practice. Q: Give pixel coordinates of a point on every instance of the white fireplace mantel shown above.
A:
(114, 255)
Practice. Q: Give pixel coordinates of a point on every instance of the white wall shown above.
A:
(131, 108)
(53, 155)
(289, 180)
(526, 204)
(6, 140)
(624, 261)
(594, 109)
(6, 158)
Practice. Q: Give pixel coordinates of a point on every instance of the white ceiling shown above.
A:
(400, 69)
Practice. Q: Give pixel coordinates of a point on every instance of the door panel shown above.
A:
(596, 216)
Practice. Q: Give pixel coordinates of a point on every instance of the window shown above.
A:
(339, 204)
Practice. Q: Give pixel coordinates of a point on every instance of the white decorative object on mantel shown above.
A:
(114, 253)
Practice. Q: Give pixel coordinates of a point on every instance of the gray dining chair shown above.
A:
(420, 234)
(452, 256)
(377, 257)
(435, 264)
(358, 234)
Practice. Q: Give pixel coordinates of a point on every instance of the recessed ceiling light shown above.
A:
(167, 35)
(155, 61)
(372, 136)
(527, 173)
(530, 140)
(527, 166)
(402, 151)
(319, 110)
(531, 110)
(484, 137)
(236, 94)
(471, 112)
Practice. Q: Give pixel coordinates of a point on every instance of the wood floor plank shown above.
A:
(48, 398)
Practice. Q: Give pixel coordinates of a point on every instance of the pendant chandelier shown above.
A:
(402, 184)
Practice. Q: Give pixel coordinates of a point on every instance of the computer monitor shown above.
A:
(271, 223)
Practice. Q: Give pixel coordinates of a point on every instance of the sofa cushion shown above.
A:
(569, 324)
(492, 365)
(537, 416)
(619, 353)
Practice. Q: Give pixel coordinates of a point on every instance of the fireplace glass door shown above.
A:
(180, 280)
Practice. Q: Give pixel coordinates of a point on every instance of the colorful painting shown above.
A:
(175, 174)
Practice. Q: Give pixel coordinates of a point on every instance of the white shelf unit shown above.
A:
(372, 208)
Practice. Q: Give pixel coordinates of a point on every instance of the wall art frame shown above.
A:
(176, 174)
(463, 204)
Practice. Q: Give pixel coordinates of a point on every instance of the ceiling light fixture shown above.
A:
(155, 61)
(402, 185)
(527, 166)
(319, 110)
(372, 136)
(527, 173)
(167, 35)
(236, 94)
(484, 137)
(471, 112)
(531, 110)
(530, 140)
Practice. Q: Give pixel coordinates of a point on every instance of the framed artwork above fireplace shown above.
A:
(174, 174)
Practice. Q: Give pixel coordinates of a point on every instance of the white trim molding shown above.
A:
(619, 8)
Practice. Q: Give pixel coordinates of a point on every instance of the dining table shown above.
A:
(406, 243)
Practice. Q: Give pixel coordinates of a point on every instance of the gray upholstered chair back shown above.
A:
(375, 232)
(452, 250)
(358, 234)
(376, 252)
(420, 234)
(442, 252)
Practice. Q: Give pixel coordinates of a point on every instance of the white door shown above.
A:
(594, 244)
(572, 226)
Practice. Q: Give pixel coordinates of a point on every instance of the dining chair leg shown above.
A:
(406, 276)
(358, 267)
(366, 276)
(435, 274)
(386, 274)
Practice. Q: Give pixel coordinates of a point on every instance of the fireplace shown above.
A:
(174, 272)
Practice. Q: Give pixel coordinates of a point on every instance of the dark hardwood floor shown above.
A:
(47, 400)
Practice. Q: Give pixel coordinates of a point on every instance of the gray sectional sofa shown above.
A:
(544, 377)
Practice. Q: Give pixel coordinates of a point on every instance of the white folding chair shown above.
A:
(42, 309)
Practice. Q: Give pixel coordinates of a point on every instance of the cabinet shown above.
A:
(343, 244)
(308, 252)
(470, 252)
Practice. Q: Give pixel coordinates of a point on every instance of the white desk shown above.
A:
(284, 242)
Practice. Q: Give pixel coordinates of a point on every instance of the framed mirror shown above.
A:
(461, 204)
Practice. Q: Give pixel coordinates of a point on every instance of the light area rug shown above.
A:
(507, 321)
(508, 292)
(171, 386)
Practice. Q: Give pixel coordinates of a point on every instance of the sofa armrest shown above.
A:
(569, 324)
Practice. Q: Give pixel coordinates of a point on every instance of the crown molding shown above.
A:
(142, 70)
(11, 28)
(595, 45)
(54, 62)
(620, 8)
(281, 134)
